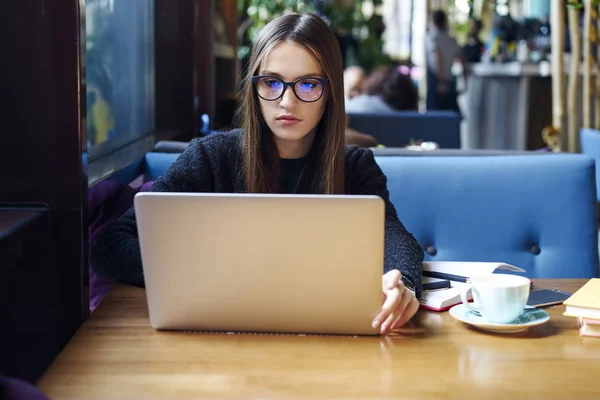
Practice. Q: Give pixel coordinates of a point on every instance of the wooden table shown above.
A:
(116, 354)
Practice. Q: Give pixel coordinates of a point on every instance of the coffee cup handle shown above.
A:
(465, 300)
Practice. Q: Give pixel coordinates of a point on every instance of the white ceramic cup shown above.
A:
(499, 298)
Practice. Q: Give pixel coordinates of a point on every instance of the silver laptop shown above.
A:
(262, 263)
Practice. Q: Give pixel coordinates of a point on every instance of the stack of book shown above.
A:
(584, 305)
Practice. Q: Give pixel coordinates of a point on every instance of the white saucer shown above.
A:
(529, 318)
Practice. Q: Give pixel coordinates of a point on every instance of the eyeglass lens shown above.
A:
(270, 88)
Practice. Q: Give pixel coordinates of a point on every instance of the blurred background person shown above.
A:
(441, 52)
(388, 89)
(474, 47)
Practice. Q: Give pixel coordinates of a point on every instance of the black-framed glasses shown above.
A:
(271, 88)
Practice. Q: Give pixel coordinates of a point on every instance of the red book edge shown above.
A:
(587, 321)
(424, 307)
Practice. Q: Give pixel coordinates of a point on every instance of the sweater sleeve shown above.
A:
(402, 251)
(116, 253)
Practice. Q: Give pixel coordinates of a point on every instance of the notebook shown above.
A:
(589, 327)
(444, 299)
(585, 302)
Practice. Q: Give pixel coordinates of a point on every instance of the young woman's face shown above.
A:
(292, 121)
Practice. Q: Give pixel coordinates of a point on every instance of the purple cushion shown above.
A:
(16, 389)
(146, 186)
(107, 201)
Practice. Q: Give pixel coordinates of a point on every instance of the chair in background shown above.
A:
(400, 128)
(170, 146)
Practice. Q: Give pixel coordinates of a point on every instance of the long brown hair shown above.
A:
(324, 169)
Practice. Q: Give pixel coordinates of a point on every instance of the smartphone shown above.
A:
(547, 297)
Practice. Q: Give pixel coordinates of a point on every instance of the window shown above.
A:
(119, 73)
(397, 17)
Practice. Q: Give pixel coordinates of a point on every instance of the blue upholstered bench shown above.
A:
(534, 211)
(398, 129)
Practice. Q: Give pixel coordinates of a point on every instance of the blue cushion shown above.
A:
(590, 145)
(501, 208)
(158, 163)
(398, 129)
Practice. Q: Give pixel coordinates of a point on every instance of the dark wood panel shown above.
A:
(175, 67)
(204, 67)
(41, 292)
(23, 231)
(193, 74)
(13, 220)
(539, 111)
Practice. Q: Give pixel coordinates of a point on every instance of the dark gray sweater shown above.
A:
(214, 164)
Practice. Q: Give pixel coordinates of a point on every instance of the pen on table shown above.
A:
(437, 285)
(441, 275)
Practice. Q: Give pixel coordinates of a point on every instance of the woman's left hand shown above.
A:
(400, 304)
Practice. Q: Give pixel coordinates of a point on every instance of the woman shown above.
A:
(293, 142)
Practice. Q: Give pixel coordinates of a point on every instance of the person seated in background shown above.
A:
(292, 142)
(387, 90)
(354, 80)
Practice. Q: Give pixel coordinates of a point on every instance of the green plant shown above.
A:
(261, 12)
(350, 18)
(344, 17)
